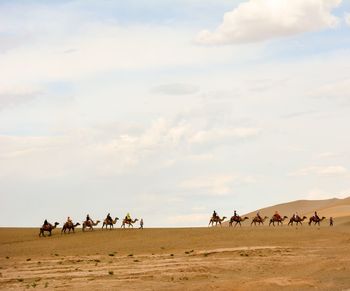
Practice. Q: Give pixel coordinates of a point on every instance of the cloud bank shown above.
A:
(259, 20)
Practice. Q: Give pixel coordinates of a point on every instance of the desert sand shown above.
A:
(223, 258)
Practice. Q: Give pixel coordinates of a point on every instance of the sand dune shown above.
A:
(329, 207)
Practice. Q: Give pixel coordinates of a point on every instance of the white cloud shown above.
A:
(347, 18)
(176, 89)
(259, 20)
(189, 219)
(326, 155)
(319, 194)
(322, 171)
(11, 95)
(216, 185)
(219, 134)
(337, 90)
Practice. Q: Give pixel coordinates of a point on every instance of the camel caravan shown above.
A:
(275, 220)
(88, 224)
(215, 220)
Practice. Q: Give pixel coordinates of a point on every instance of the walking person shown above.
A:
(141, 223)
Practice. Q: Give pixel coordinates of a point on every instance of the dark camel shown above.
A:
(217, 220)
(109, 223)
(48, 227)
(89, 224)
(70, 226)
(259, 220)
(237, 219)
(297, 220)
(316, 220)
(278, 219)
(129, 222)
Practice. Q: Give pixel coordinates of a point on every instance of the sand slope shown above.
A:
(330, 207)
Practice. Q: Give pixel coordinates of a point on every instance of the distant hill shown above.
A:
(329, 207)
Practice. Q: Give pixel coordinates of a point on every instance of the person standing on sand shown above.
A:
(331, 221)
(141, 223)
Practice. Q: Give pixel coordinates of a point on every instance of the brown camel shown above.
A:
(129, 222)
(90, 224)
(109, 223)
(237, 219)
(316, 220)
(258, 220)
(70, 226)
(297, 220)
(217, 220)
(278, 219)
(48, 227)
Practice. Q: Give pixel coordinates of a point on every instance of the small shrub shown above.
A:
(111, 255)
(110, 272)
(20, 280)
(130, 255)
(29, 259)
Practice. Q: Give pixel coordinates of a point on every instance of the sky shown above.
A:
(171, 109)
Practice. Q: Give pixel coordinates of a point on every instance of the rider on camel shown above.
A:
(69, 220)
(258, 215)
(316, 216)
(46, 223)
(88, 219)
(109, 218)
(215, 214)
(277, 215)
(128, 217)
(235, 214)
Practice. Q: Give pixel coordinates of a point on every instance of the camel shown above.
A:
(107, 222)
(90, 224)
(259, 220)
(297, 220)
(237, 219)
(277, 219)
(70, 226)
(130, 222)
(48, 227)
(217, 220)
(316, 220)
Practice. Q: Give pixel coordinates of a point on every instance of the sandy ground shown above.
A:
(247, 258)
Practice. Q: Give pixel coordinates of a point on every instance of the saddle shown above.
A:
(277, 216)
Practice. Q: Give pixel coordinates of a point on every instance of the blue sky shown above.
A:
(171, 109)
